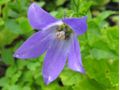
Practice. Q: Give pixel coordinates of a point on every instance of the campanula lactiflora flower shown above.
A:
(58, 38)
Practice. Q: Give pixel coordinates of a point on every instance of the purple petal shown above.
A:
(78, 25)
(55, 60)
(35, 45)
(39, 18)
(74, 58)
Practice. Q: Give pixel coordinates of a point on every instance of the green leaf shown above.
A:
(15, 87)
(81, 7)
(11, 71)
(60, 2)
(6, 37)
(33, 66)
(12, 13)
(102, 54)
(98, 69)
(69, 77)
(13, 27)
(27, 77)
(4, 81)
(26, 88)
(88, 84)
(21, 64)
(4, 1)
(24, 25)
(16, 77)
(1, 22)
(54, 86)
(113, 72)
(93, 33)
(110, 35)
(42, 3)
(115, 0)
(99, 20)
(101, 2)
(104, 15)
(7, 56)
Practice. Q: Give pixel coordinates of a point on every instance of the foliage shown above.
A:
(99, 46)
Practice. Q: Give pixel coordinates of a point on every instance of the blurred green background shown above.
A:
(99, 46)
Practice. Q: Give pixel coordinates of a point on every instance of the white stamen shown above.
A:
(60, 35)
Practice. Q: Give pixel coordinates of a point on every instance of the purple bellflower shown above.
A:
(58, 38)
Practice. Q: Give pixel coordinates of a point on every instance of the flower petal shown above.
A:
(39, 18)
(79, 25)
(74, 58)
(35, 45)
(55, 60)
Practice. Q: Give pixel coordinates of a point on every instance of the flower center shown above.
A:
(63, 32)
(60, 35)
